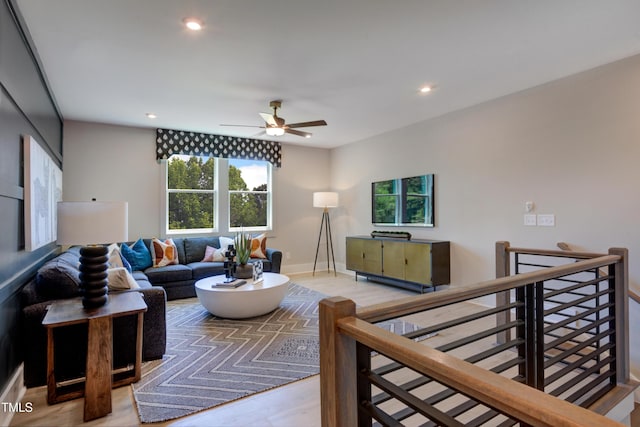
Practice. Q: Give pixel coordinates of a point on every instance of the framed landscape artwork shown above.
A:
(42, 192)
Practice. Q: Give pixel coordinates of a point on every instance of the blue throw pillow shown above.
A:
(137, 254)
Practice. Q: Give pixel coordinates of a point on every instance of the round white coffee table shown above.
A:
(248, 300)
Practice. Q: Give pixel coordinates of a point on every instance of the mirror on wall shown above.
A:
(403, 201)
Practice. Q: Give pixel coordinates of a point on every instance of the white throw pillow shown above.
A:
(120, 279)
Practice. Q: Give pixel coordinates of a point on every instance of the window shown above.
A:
(249, 194)
(191, 195)
(198, 189)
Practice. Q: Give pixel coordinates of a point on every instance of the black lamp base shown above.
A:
(93, 275)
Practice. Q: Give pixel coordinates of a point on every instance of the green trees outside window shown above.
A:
(191, 184)
(248, 208)
(192, 193)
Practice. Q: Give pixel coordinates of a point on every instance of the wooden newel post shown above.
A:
(338, 376)
(503, 269)
(622, 313)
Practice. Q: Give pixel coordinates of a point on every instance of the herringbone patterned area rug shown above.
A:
(210, 361)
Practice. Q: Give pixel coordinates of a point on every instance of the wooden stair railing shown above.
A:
(341, 330)
(347, 340)
(566, 247)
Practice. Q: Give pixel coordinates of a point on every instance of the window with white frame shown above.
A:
(198, 187)
(249, 183)
(191, 194)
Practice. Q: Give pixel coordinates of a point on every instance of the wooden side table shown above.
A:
(98, 381)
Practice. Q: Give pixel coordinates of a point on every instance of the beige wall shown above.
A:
(110, 162)
(571, 146)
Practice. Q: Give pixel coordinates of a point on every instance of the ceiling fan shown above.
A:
(275, 126)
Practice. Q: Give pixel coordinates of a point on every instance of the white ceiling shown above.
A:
(358, 64)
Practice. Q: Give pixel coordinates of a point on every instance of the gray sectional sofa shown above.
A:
(178, 280)
(59, 279)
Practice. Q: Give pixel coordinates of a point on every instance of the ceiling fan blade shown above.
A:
(268, 118)
(298, 132)
(307, 124)
(245, 126)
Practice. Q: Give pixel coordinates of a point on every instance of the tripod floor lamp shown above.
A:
(325, 200)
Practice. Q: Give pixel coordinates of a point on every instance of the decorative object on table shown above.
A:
(243, 253)
(93, 224)
(42, 190)
(229, 264)
(325, 200)
(232, 284)
(392, 234)
(257, 272)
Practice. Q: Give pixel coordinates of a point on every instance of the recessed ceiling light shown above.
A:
(151, 115)
(425, 89)
(307, 136)
(193, 24)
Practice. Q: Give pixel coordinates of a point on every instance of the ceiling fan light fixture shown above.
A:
(193, 24)
(274, 131)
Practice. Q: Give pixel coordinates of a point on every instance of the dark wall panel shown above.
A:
(25, 84)
(26, 107)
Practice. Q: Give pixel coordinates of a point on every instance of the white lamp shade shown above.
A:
(92, 223)
(325, 199)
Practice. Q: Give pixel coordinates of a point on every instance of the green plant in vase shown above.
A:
(243, 253)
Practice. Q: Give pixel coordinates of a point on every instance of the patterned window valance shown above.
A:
(169, 142)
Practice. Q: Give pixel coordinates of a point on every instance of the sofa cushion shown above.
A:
(195, 247)
(168, 273)
(214, 254)
(206, 269)
(116, 259)
(120, 279)
(59, 278)
(259, 246)
(137, 254)
(163, 253)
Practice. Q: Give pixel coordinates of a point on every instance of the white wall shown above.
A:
(110, 162)
(571, 146)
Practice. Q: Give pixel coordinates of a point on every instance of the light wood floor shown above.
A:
(296, 404)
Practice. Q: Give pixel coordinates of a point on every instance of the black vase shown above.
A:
(243, 271)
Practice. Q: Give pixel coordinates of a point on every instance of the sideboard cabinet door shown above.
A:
(364, 255)
(418, 263)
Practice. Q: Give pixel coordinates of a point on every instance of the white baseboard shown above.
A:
(308, 268)
(13, 394)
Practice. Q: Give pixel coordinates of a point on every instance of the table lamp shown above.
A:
(93, 224)
(325, 200)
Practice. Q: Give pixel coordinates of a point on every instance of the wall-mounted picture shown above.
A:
(42, 192)
(403, 201)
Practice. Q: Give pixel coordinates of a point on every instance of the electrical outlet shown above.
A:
(287, 255)
(547, 220)
(530, 219)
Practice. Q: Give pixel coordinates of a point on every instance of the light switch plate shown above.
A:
(530, 219)
(546, 220)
